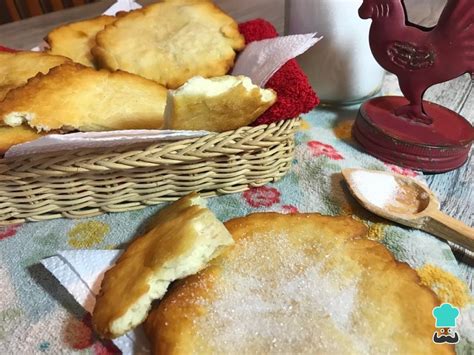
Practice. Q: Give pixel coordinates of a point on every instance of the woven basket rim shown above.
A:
(241, 132)
(87, 184)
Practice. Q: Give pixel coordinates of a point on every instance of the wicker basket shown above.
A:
(84, 183)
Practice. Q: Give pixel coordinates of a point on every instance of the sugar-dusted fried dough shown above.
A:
(170, 42)
(298, 284)
(217, 104)
(73, 97)
(10, 136)
(16, 68)
(75, 40)
(184, 237)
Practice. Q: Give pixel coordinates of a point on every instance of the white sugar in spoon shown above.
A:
(408, 202)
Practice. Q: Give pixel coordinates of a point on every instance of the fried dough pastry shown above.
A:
(298, 284)
(74, 97)
(170, 42)
(75, 40)
(16, 68)
(184, 237)
(10, 136)
(217, 104)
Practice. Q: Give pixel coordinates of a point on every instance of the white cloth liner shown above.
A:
(64, 142)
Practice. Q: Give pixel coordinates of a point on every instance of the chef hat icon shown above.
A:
(445, 315)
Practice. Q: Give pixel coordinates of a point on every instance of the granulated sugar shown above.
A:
(272, 295)
(389, 192)
(380, 189)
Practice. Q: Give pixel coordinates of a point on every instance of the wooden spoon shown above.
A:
(408, 202)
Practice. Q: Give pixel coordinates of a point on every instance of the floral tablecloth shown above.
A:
(37, 315)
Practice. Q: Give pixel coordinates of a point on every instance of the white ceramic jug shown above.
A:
(341, 67)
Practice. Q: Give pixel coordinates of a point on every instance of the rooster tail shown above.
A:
(457, 16)
(456, 25)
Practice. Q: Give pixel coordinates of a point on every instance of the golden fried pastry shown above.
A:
(170, 42)
(184, 237)
(10, 136)
(298, 284)
(17, 68)
(74, 97)
(217, 104)
(75, 40)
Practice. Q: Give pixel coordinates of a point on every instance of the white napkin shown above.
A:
(261, 59)
(59, 142)
(122, 5)
(81, 273)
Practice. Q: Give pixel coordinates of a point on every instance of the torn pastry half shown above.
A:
(216, 104)
(182, 239)
(72, 97)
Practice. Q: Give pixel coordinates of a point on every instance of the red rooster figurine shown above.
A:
(412, 132)
(421, 57)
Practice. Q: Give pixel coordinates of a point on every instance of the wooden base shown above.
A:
(438, 147)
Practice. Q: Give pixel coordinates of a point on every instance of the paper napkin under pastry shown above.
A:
(81, 273)
(122, 5)
(59, 142)
(261, 59)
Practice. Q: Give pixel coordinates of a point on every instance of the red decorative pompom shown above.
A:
(257, 30)
(295, 94)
